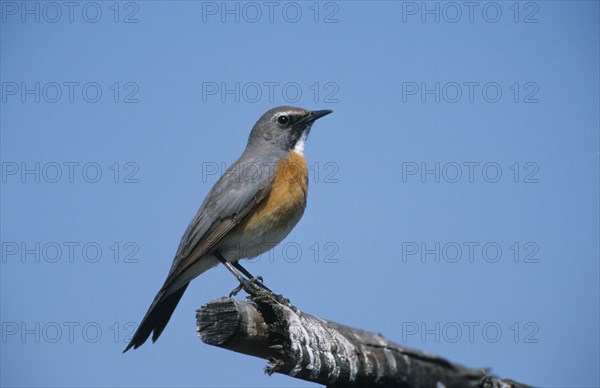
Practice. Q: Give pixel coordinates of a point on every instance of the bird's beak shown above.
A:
(317, 114)
(312, 116)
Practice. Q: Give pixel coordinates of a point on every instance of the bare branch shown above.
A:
(313, 349)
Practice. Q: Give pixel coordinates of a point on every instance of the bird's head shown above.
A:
(285, 127)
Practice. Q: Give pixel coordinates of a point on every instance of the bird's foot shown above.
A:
(236, 290)
(258, 281)
(256, 285)
(258, 291)
(252, 286)
(262, 291)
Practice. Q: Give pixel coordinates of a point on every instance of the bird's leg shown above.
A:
(259, 282)
(243, 282)
(256, 279)
(234, 272)
(229, 267)
(251, 284)
(243, 270)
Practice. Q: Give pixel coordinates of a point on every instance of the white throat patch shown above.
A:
(299, 147)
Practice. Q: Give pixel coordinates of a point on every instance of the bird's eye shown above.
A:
(283, 119)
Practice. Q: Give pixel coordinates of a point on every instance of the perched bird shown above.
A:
(251, 208)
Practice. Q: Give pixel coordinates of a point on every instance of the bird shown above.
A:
(251, 208)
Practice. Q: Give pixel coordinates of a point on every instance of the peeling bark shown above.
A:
(313, 349)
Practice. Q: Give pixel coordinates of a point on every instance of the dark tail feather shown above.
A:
(156, 318)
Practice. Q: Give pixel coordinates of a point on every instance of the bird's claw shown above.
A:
(236, 290)
(258, 281)
(254, 284)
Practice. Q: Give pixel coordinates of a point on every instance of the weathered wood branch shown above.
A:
(313, 349)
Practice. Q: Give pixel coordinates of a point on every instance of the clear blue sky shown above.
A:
(453, 200)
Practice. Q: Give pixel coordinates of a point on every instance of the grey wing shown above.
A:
(237, 192)
(231, 199)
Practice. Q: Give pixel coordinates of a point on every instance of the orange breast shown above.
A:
(285, 203)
